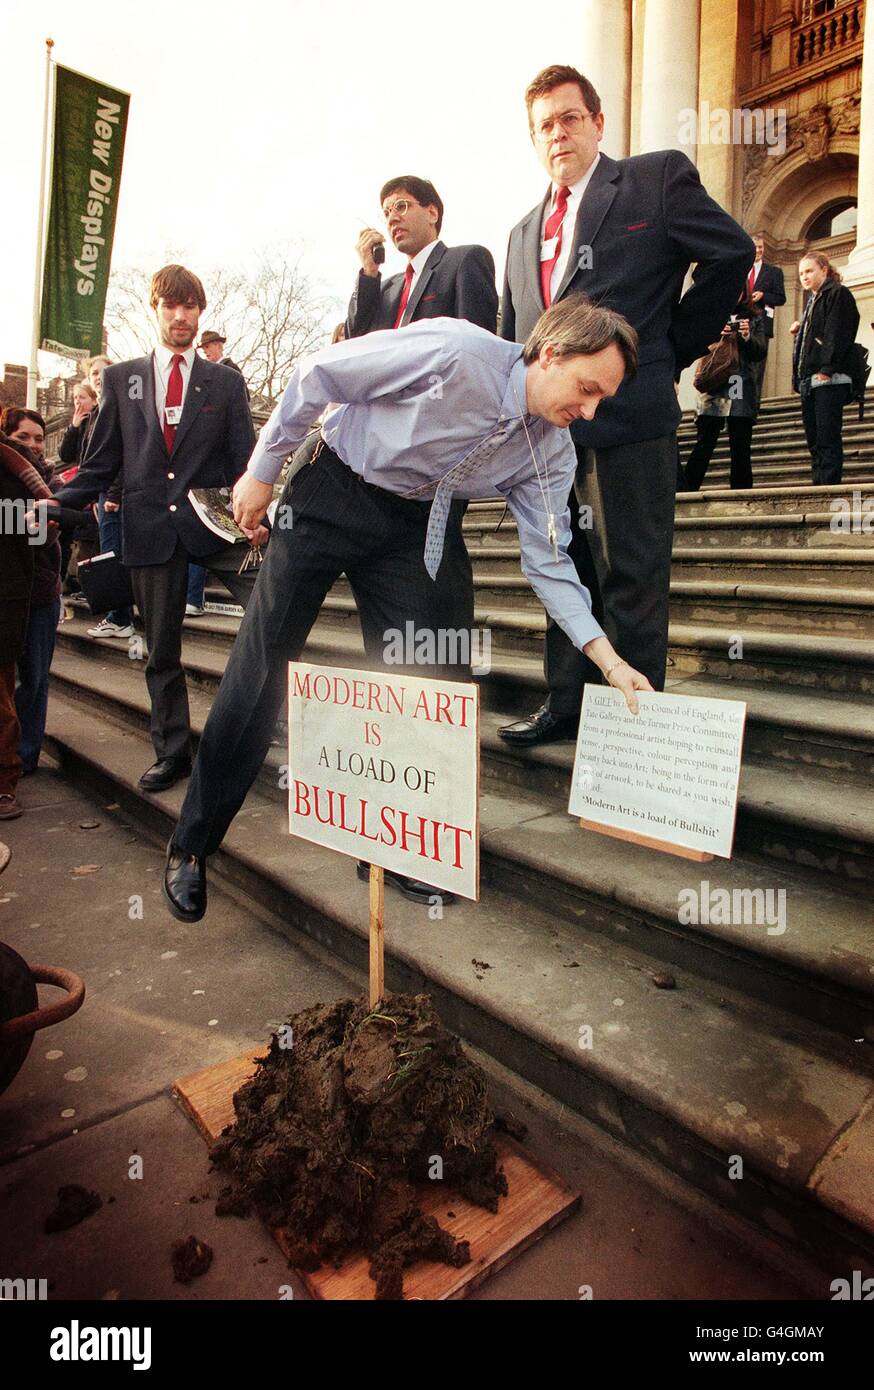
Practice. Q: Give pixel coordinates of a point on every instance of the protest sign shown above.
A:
(385, 768)
(666, 777)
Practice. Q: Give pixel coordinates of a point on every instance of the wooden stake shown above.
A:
(377, 934)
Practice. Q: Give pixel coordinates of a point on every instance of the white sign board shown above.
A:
(386, 768)
(669, 773)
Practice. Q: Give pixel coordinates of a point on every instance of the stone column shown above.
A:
(859, 272)
(670, 75)
(606, 61)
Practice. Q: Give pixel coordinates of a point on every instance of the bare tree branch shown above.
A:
(270, 314)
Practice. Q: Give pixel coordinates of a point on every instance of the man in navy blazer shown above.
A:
(624, 232)
(171, 421)
(766, 285)
(440, 281)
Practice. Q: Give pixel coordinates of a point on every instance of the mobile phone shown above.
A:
(379, 253)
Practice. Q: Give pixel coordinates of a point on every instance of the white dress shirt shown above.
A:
(569, 222)
(163, 361)
(419, 261)
(413, 406)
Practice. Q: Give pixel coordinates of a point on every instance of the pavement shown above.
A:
(82, 891)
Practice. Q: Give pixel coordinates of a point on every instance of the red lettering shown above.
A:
(326, 687)
(373, 697)
(329, 820)
(443, 706)
(458, 832)
(362, 831)
(338, 681)
(464, 701)
(420, 833)
(385, 813)
(301, 687)
(301, 794)
(358, 694)
(397, 701)
(343, 825)
(422, 703)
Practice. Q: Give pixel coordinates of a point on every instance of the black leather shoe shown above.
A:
(412, 888)
(541, 727)
(185, 885)
(165, 773)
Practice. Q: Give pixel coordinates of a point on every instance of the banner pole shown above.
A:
(377, 934)
(33, 370)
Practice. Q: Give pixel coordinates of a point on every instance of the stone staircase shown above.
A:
(764, 1047)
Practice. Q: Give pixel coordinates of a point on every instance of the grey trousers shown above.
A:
(160, 592)
(624, 559)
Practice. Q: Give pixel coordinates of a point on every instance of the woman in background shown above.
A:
(824, 338)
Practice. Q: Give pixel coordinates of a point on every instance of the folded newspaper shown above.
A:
(215, 509)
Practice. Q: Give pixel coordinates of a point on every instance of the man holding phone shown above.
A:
(439, 281)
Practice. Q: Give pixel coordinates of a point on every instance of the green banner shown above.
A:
(90, 126)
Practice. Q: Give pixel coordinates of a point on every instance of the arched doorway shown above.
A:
(803, 204)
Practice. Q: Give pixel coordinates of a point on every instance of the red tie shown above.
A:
(751, 282)
(553, 229)
(174, 397)
(408, 280)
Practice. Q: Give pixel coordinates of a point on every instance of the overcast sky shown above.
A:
(254, 122)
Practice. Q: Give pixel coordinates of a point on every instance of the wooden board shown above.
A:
(635, 838)
(537, 1201)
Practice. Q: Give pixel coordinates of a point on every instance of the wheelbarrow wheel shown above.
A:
(17, 996)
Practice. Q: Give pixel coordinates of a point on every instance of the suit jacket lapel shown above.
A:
(146, 400)
(195, 398)
(531, 250)
(593, 209)
(431, 264)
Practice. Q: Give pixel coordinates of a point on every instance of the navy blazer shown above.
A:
(641, 223)
(211, 448)
(458, 282)
(770, 281)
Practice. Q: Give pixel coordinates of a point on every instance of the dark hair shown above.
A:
(831, 272)
(422, 190)
(556, 76)
(178, 286)
(14, 414)
(575, 326)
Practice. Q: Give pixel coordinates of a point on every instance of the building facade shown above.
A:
(774, 103)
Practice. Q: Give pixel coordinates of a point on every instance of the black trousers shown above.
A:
(624, 560)
(340, 524)
(160, 592)
(740, 439)
(822, 410)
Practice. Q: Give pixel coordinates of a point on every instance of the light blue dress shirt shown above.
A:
(415, 402)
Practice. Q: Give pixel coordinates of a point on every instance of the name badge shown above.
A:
(172, 414)
(548, 249)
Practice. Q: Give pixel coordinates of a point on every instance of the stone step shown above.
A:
(827, 664)
(787, 530)
(776, 501)
(720, 537)
(690, 1075)
(508, 608)
(787, 813)
(787, 726)
(835, 567)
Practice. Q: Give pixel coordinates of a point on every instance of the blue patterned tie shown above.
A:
(437, 517)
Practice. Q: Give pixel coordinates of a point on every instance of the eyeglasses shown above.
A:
(570, 121)
(400, 206)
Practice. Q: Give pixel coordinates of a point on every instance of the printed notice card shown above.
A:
(386, 767)
(666, 777)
